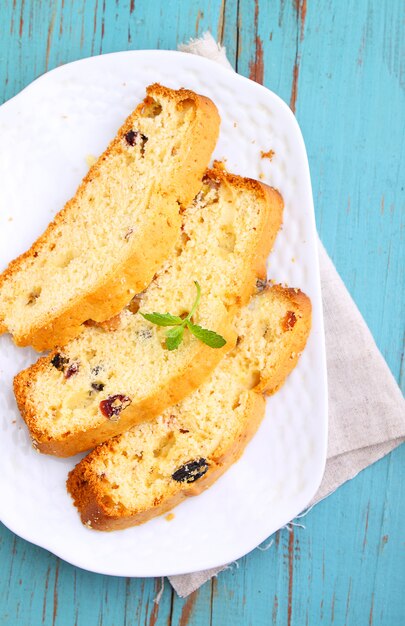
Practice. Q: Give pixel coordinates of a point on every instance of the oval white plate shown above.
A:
(46, 132)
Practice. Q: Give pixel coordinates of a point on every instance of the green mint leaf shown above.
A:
(196, 301)
(174, 337)
(163, 319)
(208, 337)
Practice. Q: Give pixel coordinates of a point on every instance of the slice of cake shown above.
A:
(155, 465)
(108, 379)
(110, 239)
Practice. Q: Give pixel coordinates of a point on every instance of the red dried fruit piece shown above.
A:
(71, 370)
(289, 320)
(113, 405)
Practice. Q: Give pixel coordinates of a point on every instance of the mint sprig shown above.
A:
(175, 335)
(210, 337)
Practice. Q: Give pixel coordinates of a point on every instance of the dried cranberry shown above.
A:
(191, 471)
(113, 405)
(59, 362)
(289, 320)
(97, 386)
(71, 370)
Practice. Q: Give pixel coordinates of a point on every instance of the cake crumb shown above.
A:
(234, 124)
(90, 160)
(261, 176)
(267, 155)
(220, 164)
(293, 259)
(10, 219)
(169, 517)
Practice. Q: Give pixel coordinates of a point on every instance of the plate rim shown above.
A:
(215, 67)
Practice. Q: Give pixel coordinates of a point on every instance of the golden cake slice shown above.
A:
(108, 379)
(154, 466)
(110, 239)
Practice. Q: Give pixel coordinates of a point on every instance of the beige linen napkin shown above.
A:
(366, 407)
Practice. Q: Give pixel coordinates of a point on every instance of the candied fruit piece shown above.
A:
(289, 320)
(113, 405)
(71, 370)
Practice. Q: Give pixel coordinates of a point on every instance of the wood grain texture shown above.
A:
(341, 67)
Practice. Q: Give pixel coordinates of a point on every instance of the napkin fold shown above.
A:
(366, 407)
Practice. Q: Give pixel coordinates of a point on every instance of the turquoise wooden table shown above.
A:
(341, 68)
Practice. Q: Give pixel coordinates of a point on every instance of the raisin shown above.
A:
(289, 320)
(134, 138)
(191, 471)
(97, 386)
(113, 405)
(183, 431)
(261, 285)
(59, 362)
(71, 370)
(130, 137)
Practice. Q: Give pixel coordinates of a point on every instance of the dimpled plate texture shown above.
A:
(46, 133)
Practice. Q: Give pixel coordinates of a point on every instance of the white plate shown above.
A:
(46, 132)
